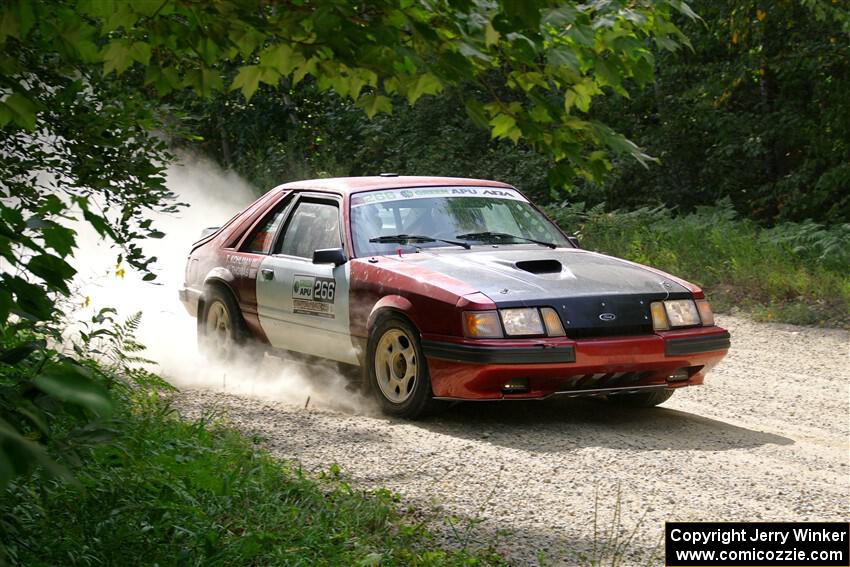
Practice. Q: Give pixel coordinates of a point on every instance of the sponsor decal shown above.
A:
(241, 265)
(312, 295)
(371, 197)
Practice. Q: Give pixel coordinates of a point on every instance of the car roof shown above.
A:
(348, 185)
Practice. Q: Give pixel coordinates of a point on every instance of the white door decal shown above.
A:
(303, 307)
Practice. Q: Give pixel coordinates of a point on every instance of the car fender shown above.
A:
(217, 276)
(220, 274)
(392, 303)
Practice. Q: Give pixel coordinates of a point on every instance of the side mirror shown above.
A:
(335, 256)
(573, 239)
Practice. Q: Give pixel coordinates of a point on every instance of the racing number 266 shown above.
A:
(323, 290)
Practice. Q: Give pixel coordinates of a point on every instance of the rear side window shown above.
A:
(246, 219)
(313, 226)
(260, 241)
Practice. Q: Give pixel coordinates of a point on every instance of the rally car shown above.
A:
(445, 289)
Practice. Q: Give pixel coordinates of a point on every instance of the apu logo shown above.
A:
(303, 288)
(607, 316)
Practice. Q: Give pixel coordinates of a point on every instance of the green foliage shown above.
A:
(171, 492)
(758, 112)
(304, 134)
(69, 382)
(791, 273)
(432, 138)
(762, 119)
(46, 397)
(816, 243)
(551, 58)
(36, 389)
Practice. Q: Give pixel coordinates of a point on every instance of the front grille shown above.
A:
(602, 381)
(609, 331)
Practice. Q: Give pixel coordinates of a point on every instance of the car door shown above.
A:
(303, 306)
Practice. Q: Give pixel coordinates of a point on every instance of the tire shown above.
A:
(396, 370)
(642, 399)
(221, 329)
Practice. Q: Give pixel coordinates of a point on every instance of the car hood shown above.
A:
(595, 295)
(529, 274)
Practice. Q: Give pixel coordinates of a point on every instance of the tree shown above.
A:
(757, 112)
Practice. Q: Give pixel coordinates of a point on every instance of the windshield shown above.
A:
(430, 217)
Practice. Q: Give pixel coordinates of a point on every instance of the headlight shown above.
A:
(481, 324)
(674, 313)
(682, 313)
(522, 321)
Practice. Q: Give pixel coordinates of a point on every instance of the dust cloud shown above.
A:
(167, 330)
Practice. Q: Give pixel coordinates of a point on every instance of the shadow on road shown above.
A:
(548, 426)
(563, 424)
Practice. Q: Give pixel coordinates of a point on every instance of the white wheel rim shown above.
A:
(395, 365)
(219, 328)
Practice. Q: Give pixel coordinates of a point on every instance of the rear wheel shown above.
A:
(642, 399)
(221, 330)
(397, 371)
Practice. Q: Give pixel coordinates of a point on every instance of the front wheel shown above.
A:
(397, 371)
(642, 399)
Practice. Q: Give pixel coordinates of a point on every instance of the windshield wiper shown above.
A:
(405, 238)
(489, 236)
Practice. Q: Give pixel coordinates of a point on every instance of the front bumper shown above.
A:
(479, 370)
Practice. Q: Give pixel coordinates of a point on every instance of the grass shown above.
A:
(170, 492)
(612, 543)
(792, 273)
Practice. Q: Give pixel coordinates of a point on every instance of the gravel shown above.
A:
(766, 438)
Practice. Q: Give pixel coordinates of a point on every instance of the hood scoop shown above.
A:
(540, 266)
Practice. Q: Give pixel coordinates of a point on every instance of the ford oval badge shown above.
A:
(607, 316)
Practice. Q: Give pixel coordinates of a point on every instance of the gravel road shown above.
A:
(766, 438)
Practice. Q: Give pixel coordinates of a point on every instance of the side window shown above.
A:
(313, 226)
(260, 242)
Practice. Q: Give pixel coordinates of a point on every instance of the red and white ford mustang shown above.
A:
(447, 289)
